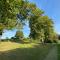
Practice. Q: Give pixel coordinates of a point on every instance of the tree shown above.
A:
(9, 9)
(34, 23)
(48, 28)
(1, 28)
(41, 27)
(19, 35)
(58, 36)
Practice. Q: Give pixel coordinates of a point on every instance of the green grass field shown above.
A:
(17, 51)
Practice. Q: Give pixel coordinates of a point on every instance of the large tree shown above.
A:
(41, 27)
(10, 12)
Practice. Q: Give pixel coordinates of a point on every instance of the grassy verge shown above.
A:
(58, 49)
(16, 51)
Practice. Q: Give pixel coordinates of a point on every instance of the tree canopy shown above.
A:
(14, 13)
(10, 12)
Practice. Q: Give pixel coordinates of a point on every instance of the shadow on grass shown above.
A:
(36, 53)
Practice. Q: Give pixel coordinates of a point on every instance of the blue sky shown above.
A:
(8, 33)
(50, 7)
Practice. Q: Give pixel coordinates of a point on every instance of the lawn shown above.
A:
(17, 51)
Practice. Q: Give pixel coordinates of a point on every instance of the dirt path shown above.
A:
(52, 55)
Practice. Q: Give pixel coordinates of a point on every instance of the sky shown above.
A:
(8, 34)
(50, 7)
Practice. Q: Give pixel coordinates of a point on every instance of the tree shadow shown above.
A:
(35, 53)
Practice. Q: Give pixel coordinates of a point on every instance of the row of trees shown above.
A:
(14, 13)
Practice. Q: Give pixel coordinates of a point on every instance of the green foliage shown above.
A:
(8, 11)
(41, 27)
(19, 35)
(14, 13)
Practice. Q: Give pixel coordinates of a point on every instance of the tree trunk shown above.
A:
(0, 32)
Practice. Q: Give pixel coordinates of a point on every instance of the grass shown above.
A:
(17, 51)
(58, 49)
(5, 46)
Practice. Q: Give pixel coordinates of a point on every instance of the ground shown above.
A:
(30, 51)
(58, 49)
(52, 55)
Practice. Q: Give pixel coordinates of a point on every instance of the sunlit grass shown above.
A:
(4, 46)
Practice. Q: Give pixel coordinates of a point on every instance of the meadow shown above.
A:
(17, 51)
